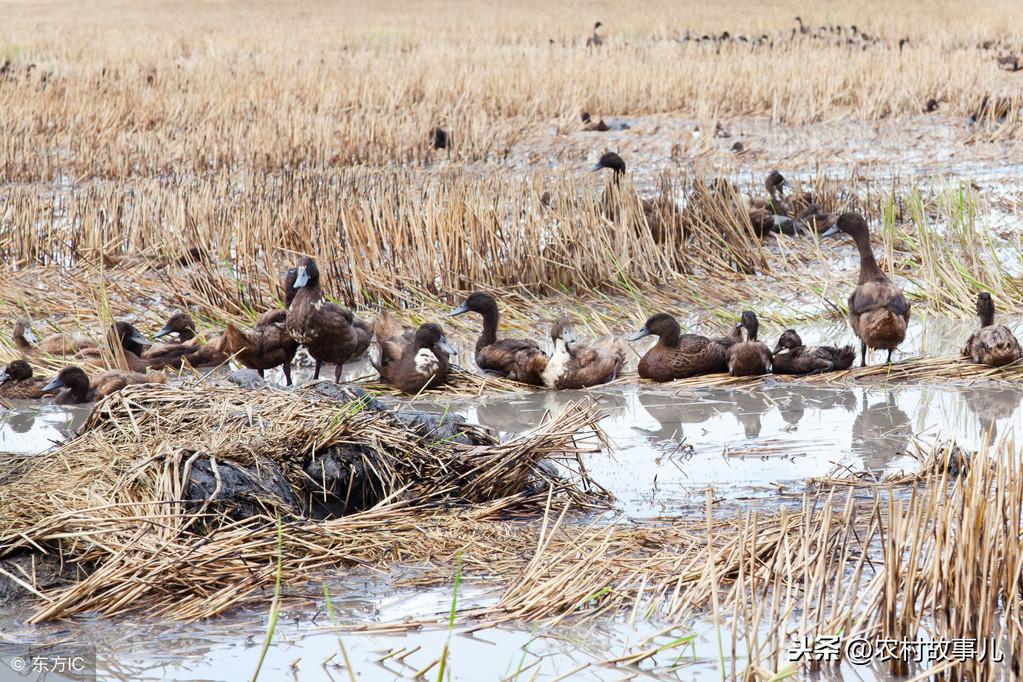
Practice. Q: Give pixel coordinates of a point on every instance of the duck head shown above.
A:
(71, 377)
(751, 324)
(23, 328)
(661, 325)
(180, 323)
(129, 338)
(562, 331)
(586, 117)
(307, 274)
(852, 224)
(431, 335)
(788, 340)
(985, 309)
(478, 302)
(19, 370)
(775, 182)
(612, 161)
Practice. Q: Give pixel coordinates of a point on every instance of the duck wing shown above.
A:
(878, 293)
(697, 355)
(276, 316)
(504, 354)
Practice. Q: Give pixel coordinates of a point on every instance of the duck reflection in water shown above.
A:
(990, 405)
(672, 411)
(880, 431)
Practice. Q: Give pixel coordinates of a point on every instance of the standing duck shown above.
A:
(677, 355)
(792, 357)
(661, 214)
(75, 387)
(17, 382)
(54, 344)
(518, 359)
(572, 365)
(412, 361)
(330, 332)
(993, 344)
(268, 344)
(878, 312)
(750, 357)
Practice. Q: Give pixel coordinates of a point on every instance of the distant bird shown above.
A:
(662, 215)
(993, 344)
(878, 312)
(595, 39)
(440, 138)
(590, 126)
(931, 106)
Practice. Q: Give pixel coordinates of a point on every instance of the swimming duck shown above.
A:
(992, 344)
(750, 357)
(677, 355)
(55, 344)
(518, 359)
(17, 382)
(412, 361)
(878, 312)
(792, 357)
(573, 365)
(661, 214)
(75, 387)
(330, 332)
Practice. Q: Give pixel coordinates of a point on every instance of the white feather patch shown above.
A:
(557, 364)
(427, 363)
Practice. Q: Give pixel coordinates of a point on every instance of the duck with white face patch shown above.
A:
(573, 365)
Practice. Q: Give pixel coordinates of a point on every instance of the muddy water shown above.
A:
(670, 446)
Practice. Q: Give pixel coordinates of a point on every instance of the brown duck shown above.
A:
(268, 344)
(518, 359)
(878, 312)
(573, 365)
(661, 214)
(187, 350)
(75, 387)
(677, 355)
(54, 344)
(412, 361)
(792, 357)
(993, 344)
(750, 357)
(17, 382)
(330, 332)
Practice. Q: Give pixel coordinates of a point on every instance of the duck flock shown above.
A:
(414, 360)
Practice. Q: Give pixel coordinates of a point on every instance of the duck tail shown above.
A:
(386, 327)
(235, 340)
(845, 358)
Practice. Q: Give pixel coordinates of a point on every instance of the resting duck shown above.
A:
(750, 357)
(412, 361)
(518, 359)
(992, 344)
(792, 357)
(677, 355)
(572, 365)
(54, 344)
(661, 214)
(878, 312)
(75, 387)
(128, 338)
(17, 382)
(330, 332)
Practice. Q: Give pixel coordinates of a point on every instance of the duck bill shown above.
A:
(445, 346)
(164, 331)
(830, 232)
(597, 167)
(4, 377)
(459, 310)
(301, 278)
(567, 336)
(638, 335)
(30, 336)
(54, 385)
(140, 340)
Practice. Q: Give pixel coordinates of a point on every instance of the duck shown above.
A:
(268, 344)
(749, 357)
(594, 127)
(517, 359)
(595, 39)
(17, 382)
(330, 332)
(993, 344)
(777, 202)
(131, 342)
(74, 386)
(878, 311)
(677, 355)
(54, 344)
(662, 215)
(792, 357)
(572, 365)
(280, 315)
(440, 138)
(412, 361)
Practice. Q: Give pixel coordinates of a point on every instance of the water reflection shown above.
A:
(31, 427)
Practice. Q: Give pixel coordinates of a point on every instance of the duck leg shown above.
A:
(261, 375)
(337, 373)
(316, 370)
(863, 354)
(287, 373)
(889, 361)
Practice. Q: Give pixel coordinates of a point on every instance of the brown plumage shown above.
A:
(792, 357)
(750, 357)
(518, 359)
(330, 332)
(182, 325)
(573, 365)
(132, 345)
(412, 361)
(878, 312)
(17, 382)
(262, 348)
(54, 344)
(677, 355)
(661, 214)
(993, 344)
(75, 387)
